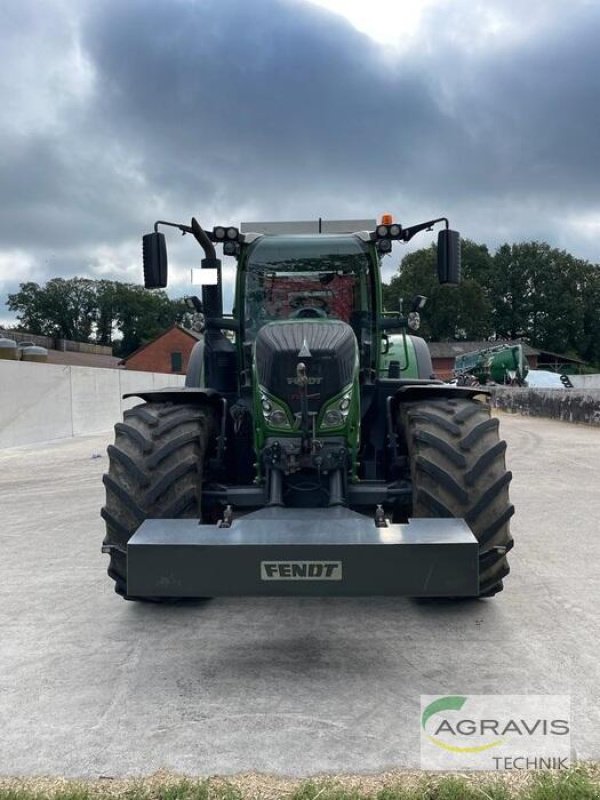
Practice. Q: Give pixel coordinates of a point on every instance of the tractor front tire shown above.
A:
(155, 471)
(458, 470)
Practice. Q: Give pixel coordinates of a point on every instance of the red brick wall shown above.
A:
(156, 357)
(443, 368)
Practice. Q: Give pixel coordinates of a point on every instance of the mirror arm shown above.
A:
(221, 324)
(197, 232)
(408, 233)
(183, 228)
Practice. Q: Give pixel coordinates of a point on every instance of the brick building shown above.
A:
(169, 352)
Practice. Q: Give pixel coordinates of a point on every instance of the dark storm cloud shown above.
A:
(118, 113)
(532, 109)
(271, 96)
(263, 97)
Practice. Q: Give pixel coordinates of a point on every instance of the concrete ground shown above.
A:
(92, 685)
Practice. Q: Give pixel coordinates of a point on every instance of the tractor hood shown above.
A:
(327, 348)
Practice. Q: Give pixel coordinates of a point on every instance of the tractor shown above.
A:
(295, 460)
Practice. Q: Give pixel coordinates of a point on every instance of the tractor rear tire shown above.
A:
(458, 470)
(155, 471)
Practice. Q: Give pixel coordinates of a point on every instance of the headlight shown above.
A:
(231, 248)
(273, 413)
(333, 418)
(336, 412)
(278, 419)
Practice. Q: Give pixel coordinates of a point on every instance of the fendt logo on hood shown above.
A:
(301, 570)
(309, 381)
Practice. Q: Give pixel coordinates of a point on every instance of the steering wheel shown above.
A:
(309, 312)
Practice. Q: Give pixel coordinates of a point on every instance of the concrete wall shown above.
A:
(42, 402)
(585, 381)
(569, 405)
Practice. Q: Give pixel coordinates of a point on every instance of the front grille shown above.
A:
(330, 367)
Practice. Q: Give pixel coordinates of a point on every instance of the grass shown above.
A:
(578, 783)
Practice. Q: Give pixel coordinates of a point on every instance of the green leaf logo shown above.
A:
(451, 703)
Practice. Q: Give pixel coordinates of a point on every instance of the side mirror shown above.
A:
(448, 252)
(154, 252)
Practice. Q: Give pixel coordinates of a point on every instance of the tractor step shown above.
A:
(308, 552)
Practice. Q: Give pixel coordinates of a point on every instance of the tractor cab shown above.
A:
(306, 277)
(307, 326)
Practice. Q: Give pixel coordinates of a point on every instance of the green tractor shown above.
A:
(293, 461)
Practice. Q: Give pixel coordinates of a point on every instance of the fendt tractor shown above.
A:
(292, 462)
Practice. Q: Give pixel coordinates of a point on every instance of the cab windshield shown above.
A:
(296, 277)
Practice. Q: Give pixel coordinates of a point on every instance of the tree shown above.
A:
(63, 308)
(546, 296)
(105, 312)
(590, 289)
(462, 312)
(141, 315)
(528, 290)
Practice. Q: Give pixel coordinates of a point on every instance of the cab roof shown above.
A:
(318, 226)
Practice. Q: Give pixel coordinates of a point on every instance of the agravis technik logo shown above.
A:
(495, 732)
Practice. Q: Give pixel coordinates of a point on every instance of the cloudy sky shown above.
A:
(119, 112)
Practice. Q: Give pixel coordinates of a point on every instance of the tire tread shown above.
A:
(458, 470)
(155, 471)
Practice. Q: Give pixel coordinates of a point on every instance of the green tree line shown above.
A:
(530, 291)
(111, 313)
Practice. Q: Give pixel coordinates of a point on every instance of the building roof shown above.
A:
(193, 334)
(66, 351)
(82, 359)
(57, 342)
(559, 357)
(458, 348)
